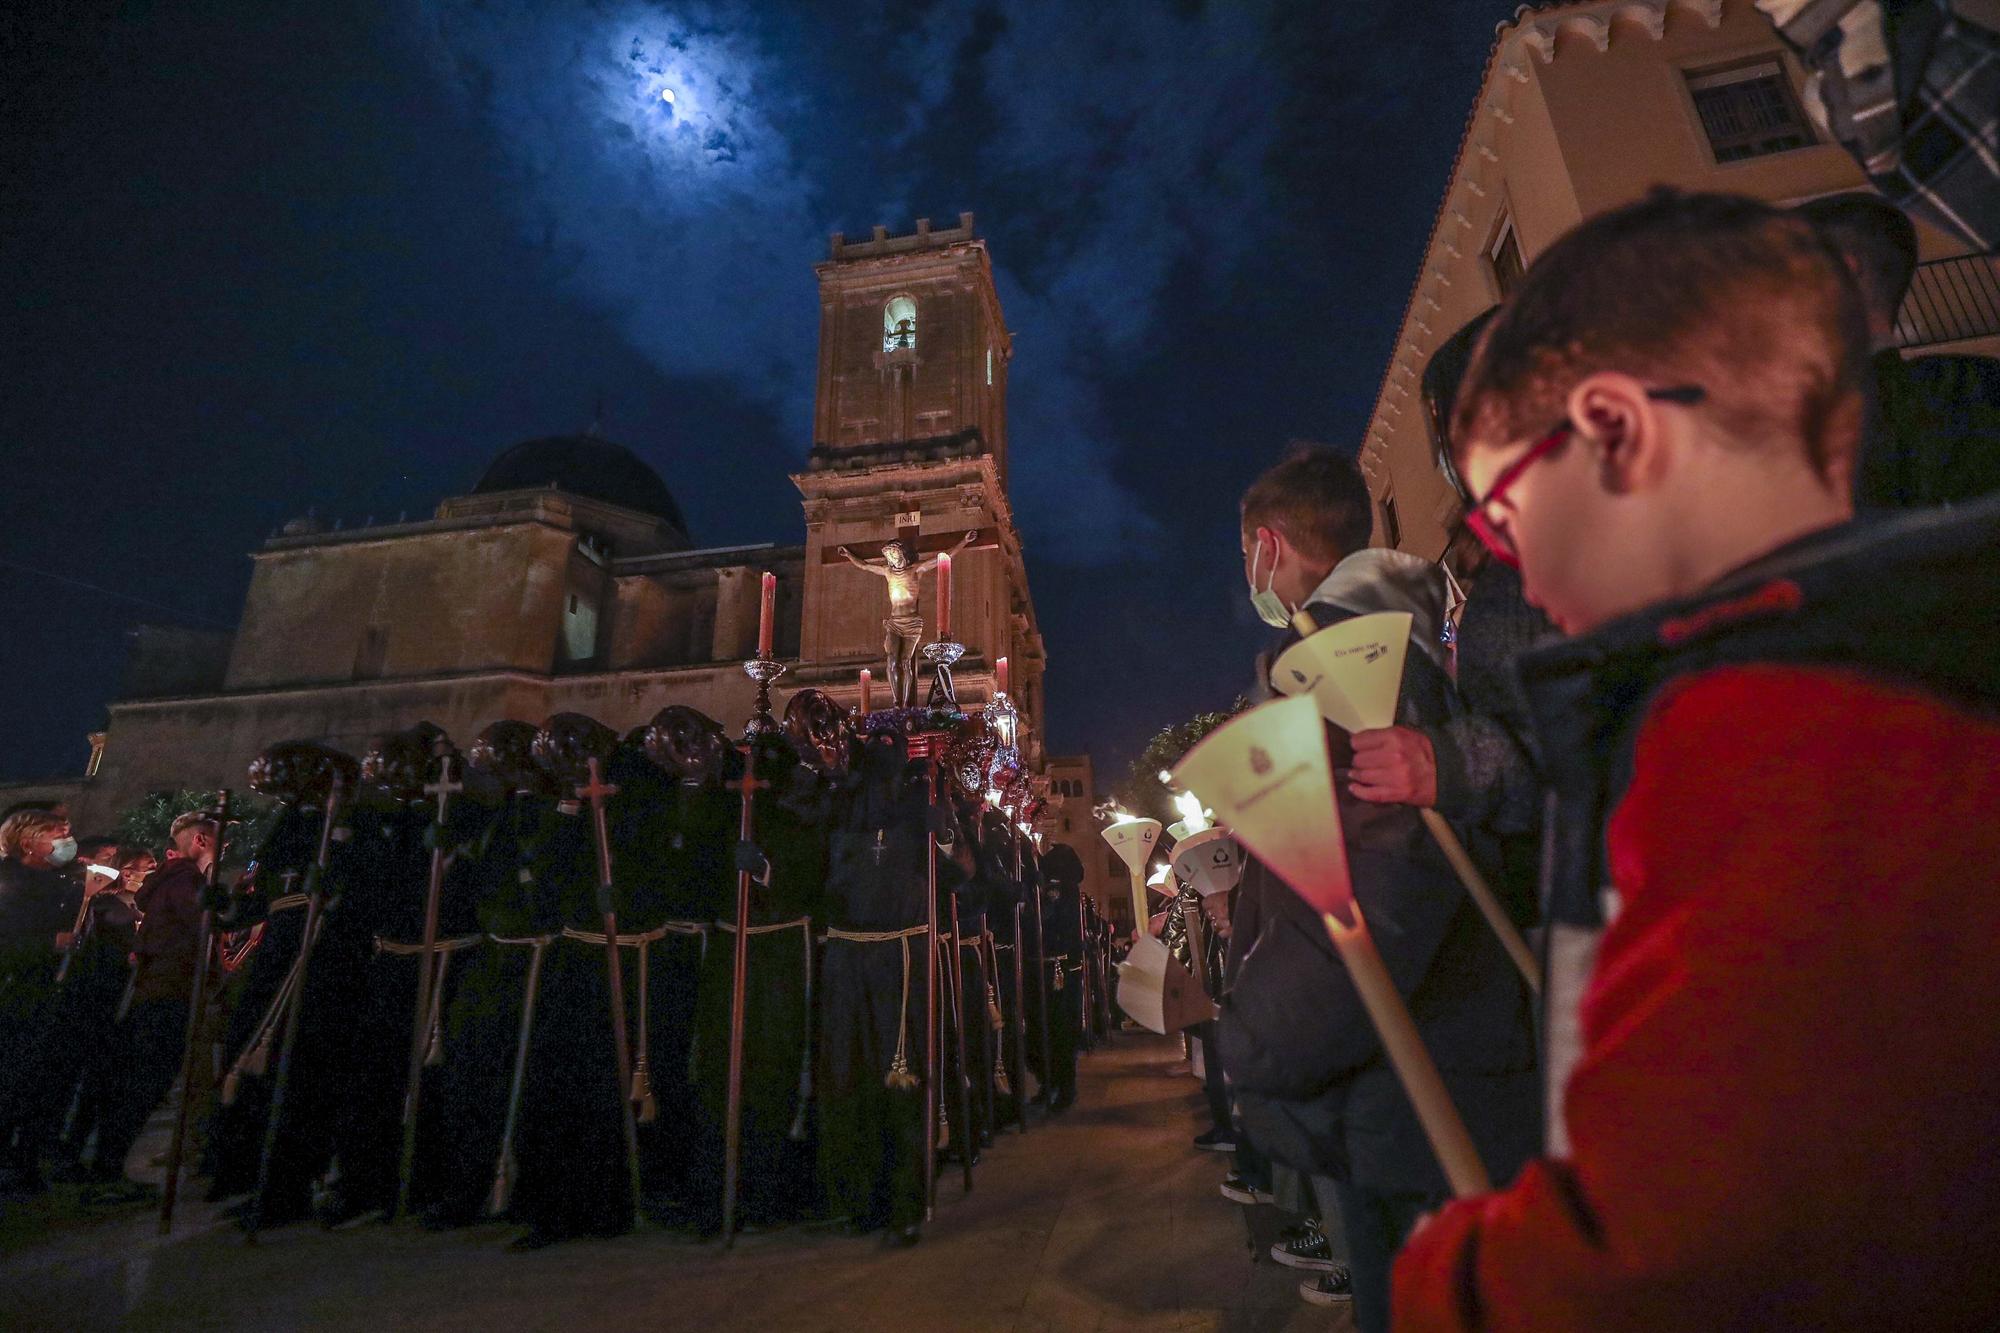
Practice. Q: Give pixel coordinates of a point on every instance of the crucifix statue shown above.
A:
(903, 630)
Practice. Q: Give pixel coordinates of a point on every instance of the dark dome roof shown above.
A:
(585, 465)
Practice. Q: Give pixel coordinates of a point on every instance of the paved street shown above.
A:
(1105, 1219)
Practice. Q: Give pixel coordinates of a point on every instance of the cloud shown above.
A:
(1104, 150)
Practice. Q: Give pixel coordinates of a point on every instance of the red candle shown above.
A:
(944, 598)
(767, 615)
(867, 691)
(1000, 676)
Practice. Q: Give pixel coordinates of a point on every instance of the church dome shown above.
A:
(586, 465)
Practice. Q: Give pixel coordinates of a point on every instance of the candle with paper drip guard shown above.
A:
(1142, 976)
(767, 616)
(1354, 671)
(1268, 776)
(944, 597)
(867, 691)
(1204, 854)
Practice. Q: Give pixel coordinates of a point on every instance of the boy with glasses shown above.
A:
(1773, 751)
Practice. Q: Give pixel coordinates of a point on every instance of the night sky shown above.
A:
(261, 258)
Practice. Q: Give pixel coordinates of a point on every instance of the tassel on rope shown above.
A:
(899, 1078)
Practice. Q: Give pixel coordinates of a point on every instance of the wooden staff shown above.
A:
(1043, 995)
(420, 1034)
(1089, 983)
(739, 982)
(955, 976)
(503, 1170)
(1414, 1067)
(595, 792)
(1484, 899)
(281, 1082)
(197, 1011)
(931, 1089)
(1020, 1023)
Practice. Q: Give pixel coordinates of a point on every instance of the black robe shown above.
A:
(486, 1006)
(776, 1177)
(575, 1176)
(871, 1061)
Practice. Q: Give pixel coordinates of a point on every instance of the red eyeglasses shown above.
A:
(1491, 534)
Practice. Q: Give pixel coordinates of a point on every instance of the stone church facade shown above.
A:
(566, 579)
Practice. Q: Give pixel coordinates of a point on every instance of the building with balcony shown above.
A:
(1584, 106)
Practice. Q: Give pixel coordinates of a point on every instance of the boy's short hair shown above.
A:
(1317, 498)
(193, 819)
(1728, 293)
(1876, 235)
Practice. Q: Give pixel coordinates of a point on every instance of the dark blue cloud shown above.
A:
(271, 257)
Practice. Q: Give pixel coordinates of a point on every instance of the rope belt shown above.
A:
(434, 1002)
(641, 1091)
(899, 1076)
(409, 949)
(286, 903)
(625, 941)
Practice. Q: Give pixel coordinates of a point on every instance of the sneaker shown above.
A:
(1309, 1250)
(1216, 1140)
(1335, 1288)
(1238, 1190)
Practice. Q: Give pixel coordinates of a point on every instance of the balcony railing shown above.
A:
(1951, 299)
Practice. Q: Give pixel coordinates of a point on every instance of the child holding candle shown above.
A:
(1772, 1062)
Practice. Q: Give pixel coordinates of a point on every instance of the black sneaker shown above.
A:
(1334, 1288)
(1309, 1250)
(1238, 1190)
(1216, 1140)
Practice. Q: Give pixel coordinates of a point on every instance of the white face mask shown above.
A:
(62, 851)
(1270, 607)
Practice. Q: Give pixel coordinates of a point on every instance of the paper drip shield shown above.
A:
(1267, 777)
(1353, 669)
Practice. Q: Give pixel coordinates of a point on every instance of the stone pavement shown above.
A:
(1103, 1219)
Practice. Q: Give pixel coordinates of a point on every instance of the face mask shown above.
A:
(62, 851)
(1270, 607)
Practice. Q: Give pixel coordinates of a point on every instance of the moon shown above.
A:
(667, 96)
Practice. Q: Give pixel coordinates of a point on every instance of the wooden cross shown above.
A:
(444, 788)
(597, 790)
(919, 545)
(289, 878)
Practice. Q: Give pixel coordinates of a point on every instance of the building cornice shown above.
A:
(1532, 34)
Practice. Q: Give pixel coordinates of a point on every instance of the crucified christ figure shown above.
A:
(903, 631)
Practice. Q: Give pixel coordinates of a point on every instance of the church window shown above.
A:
(899, 325)
(989, 367)
(1392, 526)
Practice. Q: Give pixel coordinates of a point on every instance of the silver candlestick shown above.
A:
(942, 656)
(762, 670)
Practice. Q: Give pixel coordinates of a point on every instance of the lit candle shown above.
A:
(944, 598)
(1000, 676)
(767, 616)
(867, 691)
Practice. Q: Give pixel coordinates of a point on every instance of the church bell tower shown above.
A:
(910, 443)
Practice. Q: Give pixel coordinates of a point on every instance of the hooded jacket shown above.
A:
(1309, 1075)
(1772, 978)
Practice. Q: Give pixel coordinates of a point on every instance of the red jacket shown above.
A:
(1787, 1113)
